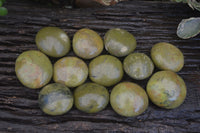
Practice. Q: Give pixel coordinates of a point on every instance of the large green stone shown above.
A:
(166, 89)
(33, 69)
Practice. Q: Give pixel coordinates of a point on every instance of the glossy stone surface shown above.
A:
(53, 41)
(91, 97)
(167, 57)
(105, 70)
(87, 44)
(119, 42)
(128, 99)
(138, 66)
(55, 99)
(70, 71)
(166, 89)
(33, 69)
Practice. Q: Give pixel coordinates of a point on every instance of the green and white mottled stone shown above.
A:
(55, 99)
(167, 57)
(128, 99)
(106, 70)
(119, 42)
(166, 89)
(33, 69)
(53, 41)
(70, 71)
(91, 97)
(138, 66)
(87, 44)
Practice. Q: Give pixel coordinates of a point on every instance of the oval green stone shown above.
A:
(70, 71)
(55, 99)
(166, 89)
(91, 97)
(53, 41)
(33, 69)
(128, 99)
(119, 42)
(138, 66)
(105, 70)
(87, 44)
(167, 57)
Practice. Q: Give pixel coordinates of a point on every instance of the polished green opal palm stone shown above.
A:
(87, 44)
(167, 57)
(53, 41)
(33, 69)
(166, 89)
(138, 66)
(106, 70)
(55, 99)
(128, 99)
(119, 42)
(70, 71)
(91, 97)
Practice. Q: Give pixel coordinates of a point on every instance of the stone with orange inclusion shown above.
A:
(87, 44)
(128, 99)
(33, 69)
(70, 71)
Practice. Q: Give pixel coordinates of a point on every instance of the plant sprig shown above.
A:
(3, 10)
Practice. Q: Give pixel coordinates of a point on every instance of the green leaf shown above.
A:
(194, 4)
(3, 11)
(188, 28)
(1, 3)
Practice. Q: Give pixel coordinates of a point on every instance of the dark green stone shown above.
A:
(91, 97)
(53, 41)
(105, 70)
(55, 99)
(138, 66)
(119, 42)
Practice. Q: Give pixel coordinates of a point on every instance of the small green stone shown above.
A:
(70, 71)
(53, 41)
(119, 42)
(55, 99)
(91, 97)
(167, 57)
(128, 99)
(166, 89)
(105, 70)
(33, 69)
(138, 66)
(87, 44)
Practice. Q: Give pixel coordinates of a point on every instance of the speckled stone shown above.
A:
(167, 57)
(70, 71)
(128, 99)
(105, 70)
(55, 99)
(138, 66)
(91, 97)
(33, 69)
(53, 41)
(119, 42)
(166, 89)
(87, 43)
